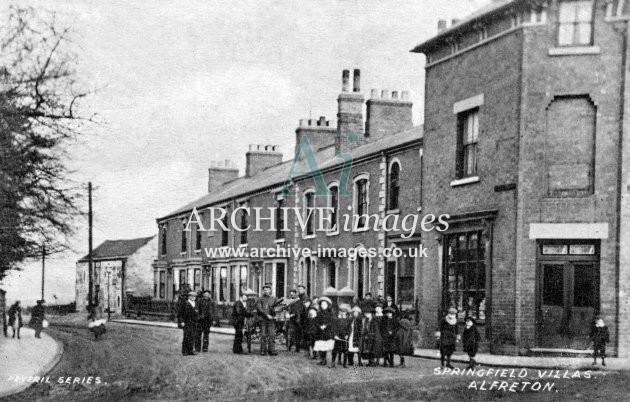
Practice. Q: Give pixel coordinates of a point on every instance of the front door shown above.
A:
(568, 299)
(390, 280)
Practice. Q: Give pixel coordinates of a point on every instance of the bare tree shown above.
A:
(39, 116)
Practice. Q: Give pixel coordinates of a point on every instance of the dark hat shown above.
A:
(379, 305)
(205, 291)
(470, 319)
(389, 310)
(267, 286)
(41, 301)
(191, 293)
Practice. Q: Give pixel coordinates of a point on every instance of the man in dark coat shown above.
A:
(389, 327)
(15, 318)
(470, 339)
(448, 337)
(239, 314)
(38, 314)
(205, 308)
(371, 341)
(265, 307)
(293, 326)
(189, 318)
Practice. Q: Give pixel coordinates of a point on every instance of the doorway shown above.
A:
(568, 294)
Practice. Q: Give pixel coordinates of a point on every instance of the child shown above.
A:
(371, 341)
(600, 337)
(404, 337)
(354, 340)
(447, 336)
(342, 333)
(311, 328)
(471, 341)
(389, 326)
(324, 334)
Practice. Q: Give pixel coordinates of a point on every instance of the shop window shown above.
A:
(465, 274)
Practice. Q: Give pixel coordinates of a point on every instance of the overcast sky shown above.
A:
(187, 82)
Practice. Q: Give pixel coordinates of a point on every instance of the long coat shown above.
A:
(239, 313)
(38, 314)
(342, 331)
(600, 337)
(206, 309)
(389, 326)
(404, 336)
(189, 315)
(371, 341)
(356, 328)
(448, 333)
(15, 316)
(324, 318)
(470, 339)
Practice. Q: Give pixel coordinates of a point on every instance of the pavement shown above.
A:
(484, 359)
(21, 360)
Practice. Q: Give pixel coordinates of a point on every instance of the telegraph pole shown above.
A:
(43, 267)
(90, 263)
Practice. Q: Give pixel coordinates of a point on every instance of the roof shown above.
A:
(276, 175)
(110, 249)
(491, 8)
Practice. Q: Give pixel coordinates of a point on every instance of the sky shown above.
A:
(183, 83)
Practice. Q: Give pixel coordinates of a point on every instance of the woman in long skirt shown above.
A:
(324, 337)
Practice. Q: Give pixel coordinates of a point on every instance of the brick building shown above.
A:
(524, 136)
(386, 155)
(523, 145)
(121, 267)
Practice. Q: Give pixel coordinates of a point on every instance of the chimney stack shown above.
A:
(454, 21)
(260, 157)
(441, 26)
(219, 173)
(350, 126)
(387, 115)
(319, 133)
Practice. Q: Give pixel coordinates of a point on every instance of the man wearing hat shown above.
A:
(189, 318)
(38, 314)
(205, 308)
(265, 307)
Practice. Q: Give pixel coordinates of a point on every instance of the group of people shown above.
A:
(38, 319)
(194, 316)
(371, 330)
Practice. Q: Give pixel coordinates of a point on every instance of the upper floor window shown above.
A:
(334, 204)
(332, 274)
(467, 138)
(575, 23)
(184, 240)
(198, 234)
(244, 224)
(280, 219)
(309, 212)
(361, 201)
(163, 240)
(225, 233)
(394, 185)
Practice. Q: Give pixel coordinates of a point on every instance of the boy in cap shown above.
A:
(600, 337)
(448, 337)
(471, 341)
(389, 326)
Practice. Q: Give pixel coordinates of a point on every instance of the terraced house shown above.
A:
(383, 177)
(524, 145)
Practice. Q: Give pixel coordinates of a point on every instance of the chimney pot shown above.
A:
(345, 81)
(374, 94)
(322, 121)
(394, 94)
(405, 95)
(357, 81)
(385, 94)
(454, 21)
(441, 26)
(303, 123)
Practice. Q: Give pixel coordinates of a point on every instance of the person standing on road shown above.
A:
(265, 306)
(324, 335)
(293, 324)
(239, 314)
(189, 317)
(38, 315)
(448, 337)
(15, 318)
(205, 309)
(96, 322)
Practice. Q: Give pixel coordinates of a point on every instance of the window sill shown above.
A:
(333, 233)
(393, 211)
(573, 50)
(363, 229)
(279, 241)
(198, 251)
(311, 236)
(244, 245)
(182, 253)
(464, 181)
